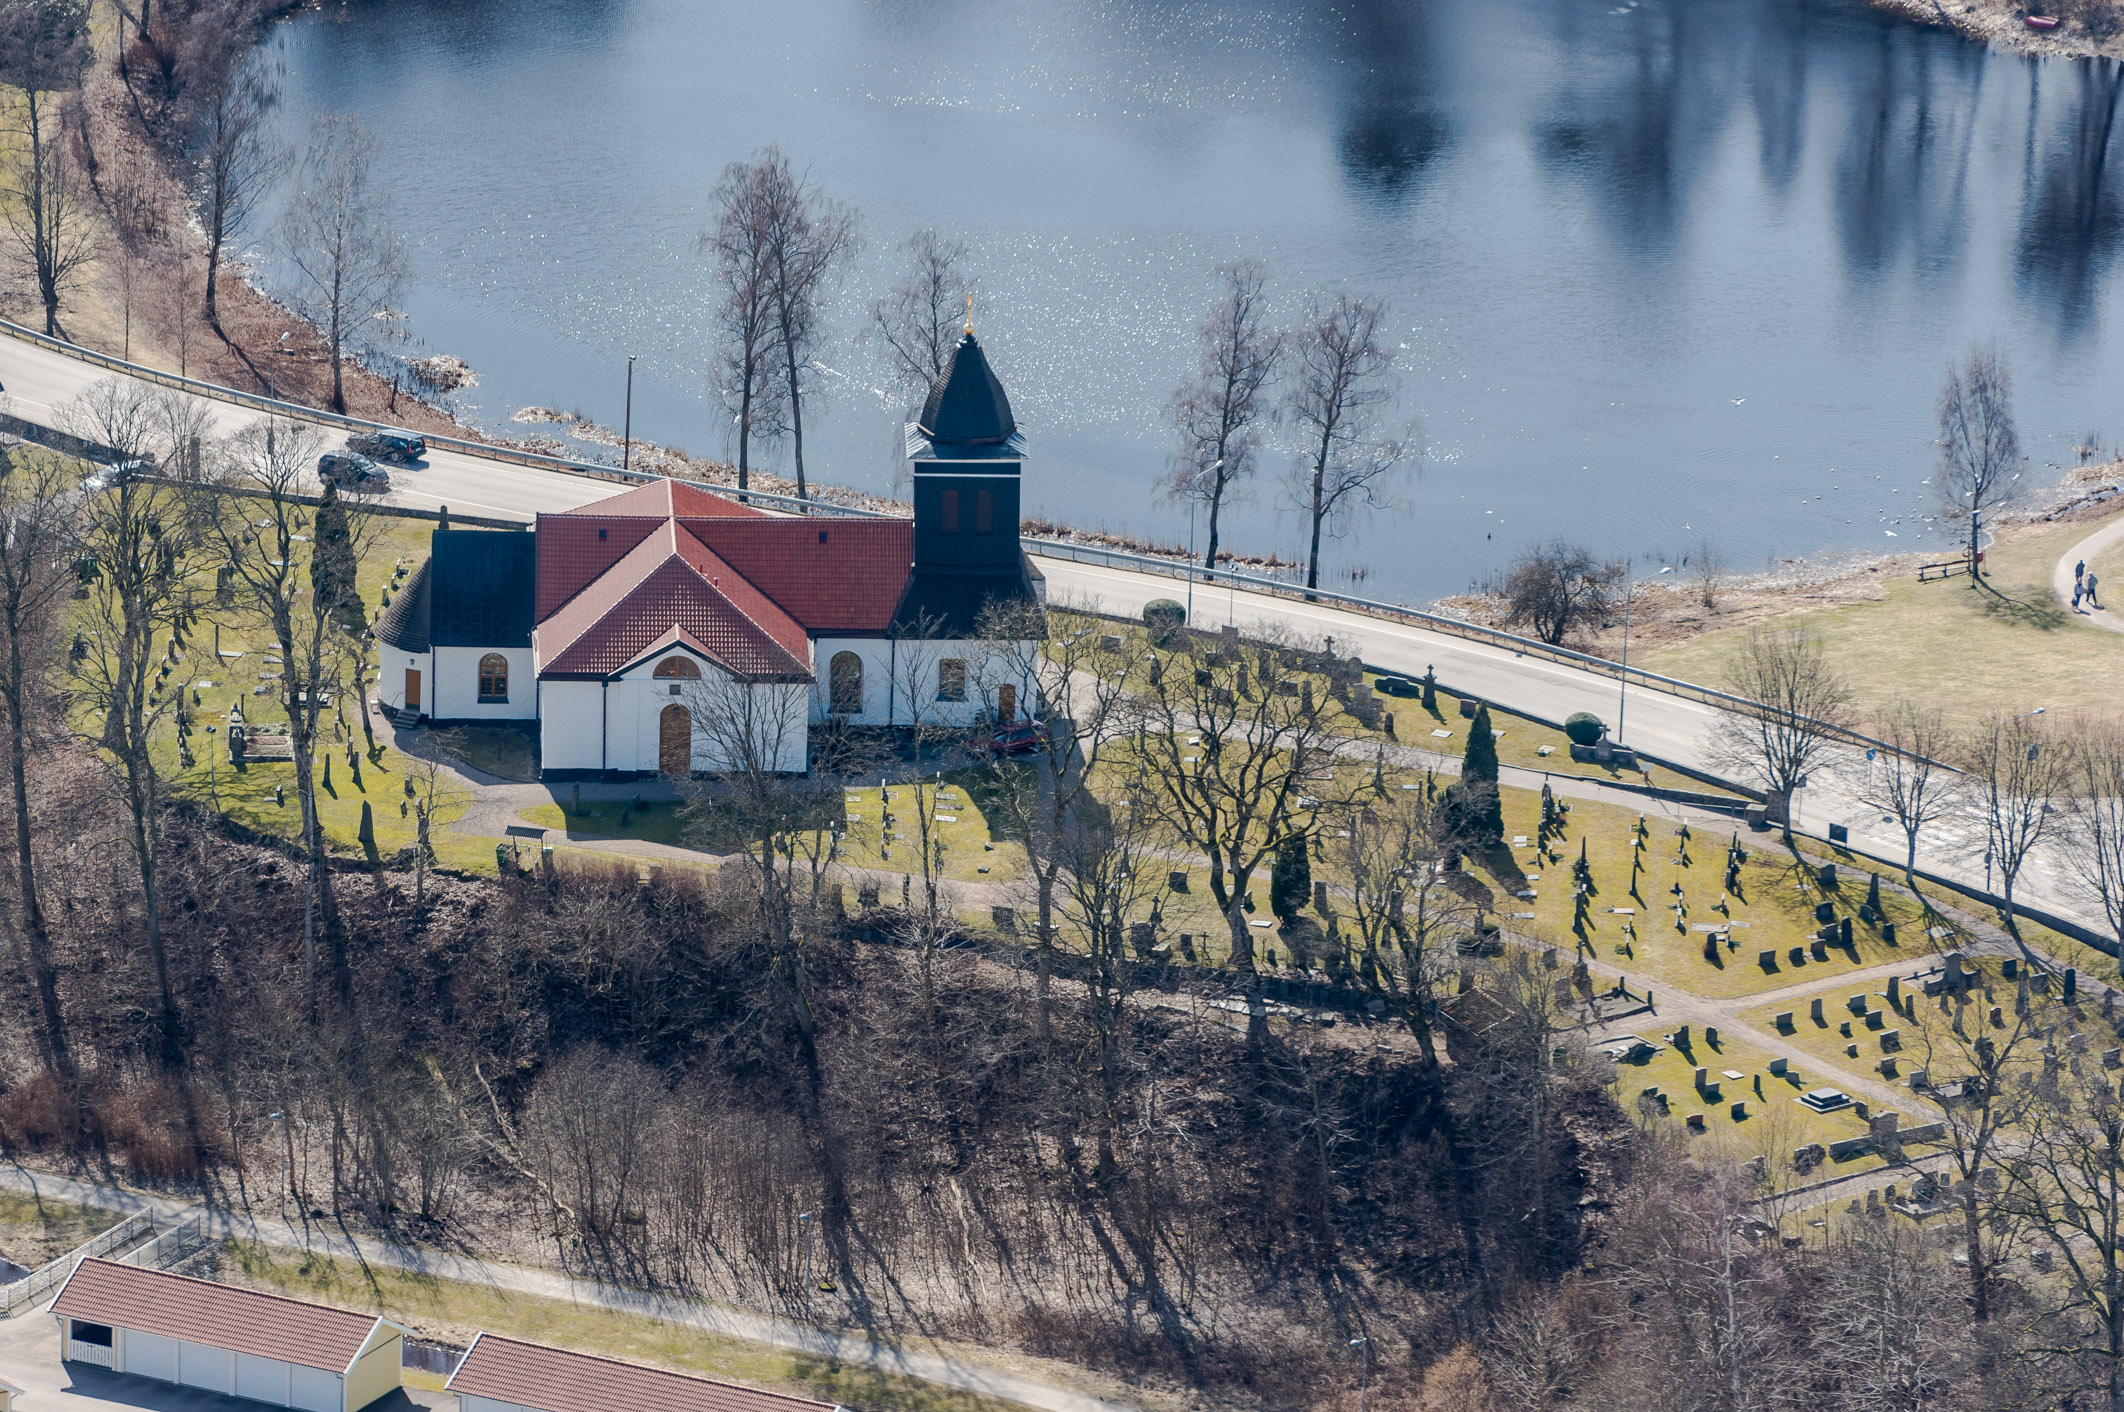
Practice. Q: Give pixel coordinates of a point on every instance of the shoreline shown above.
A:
(1998, 25)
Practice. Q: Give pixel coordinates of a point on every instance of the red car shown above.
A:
(1017, 738)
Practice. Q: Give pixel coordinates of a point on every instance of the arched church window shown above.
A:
(678, 669)
(949, 518)
(493, 678)
(984, 512)
(951, 679)
(845, 679)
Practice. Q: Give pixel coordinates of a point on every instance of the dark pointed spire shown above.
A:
(966, 404)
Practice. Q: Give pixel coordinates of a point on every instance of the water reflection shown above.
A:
(2070, 221)
(1623, 235)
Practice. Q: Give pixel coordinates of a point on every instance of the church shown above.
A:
(634, 630)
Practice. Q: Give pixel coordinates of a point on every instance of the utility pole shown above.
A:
(282, 1119)
(1364, 1368)
(627, 427)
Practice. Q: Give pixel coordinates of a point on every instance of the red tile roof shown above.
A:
(670, 580)
(573, 551)
(220, 1316)
(833, 576)
(555, 1380)
(660, 500)
(786, 578)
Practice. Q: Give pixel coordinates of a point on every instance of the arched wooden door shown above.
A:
(674, 741)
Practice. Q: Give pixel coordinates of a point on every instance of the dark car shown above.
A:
(351, 472)
(388, 446)
(1017, 738)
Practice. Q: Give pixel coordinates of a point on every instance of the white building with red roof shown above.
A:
(668, 629)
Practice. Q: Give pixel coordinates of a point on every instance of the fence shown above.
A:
(430, 1357)
(50, 1276)
(1055, 549)
(169, 1247)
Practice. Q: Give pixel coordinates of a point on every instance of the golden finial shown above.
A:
(969, 313)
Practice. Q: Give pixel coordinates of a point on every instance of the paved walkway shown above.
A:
(2087, 551)
(855, 1348)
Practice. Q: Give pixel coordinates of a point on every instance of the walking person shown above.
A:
(2079, 571)
(2092, 601)
(2078, 589)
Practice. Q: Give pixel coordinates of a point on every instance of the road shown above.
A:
(1676, 729)
(852, 1348)
(2086, 552)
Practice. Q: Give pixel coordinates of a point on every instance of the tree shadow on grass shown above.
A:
(2036, 608)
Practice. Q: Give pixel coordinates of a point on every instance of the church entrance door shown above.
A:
(412, 688)
(1006, 704)
(674, 741)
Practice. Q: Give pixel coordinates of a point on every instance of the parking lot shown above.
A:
(29, 1358)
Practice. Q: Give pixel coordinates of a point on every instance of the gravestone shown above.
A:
(1895, 992)
(1815, 1010)
(1740, 1110)
(1857, 1004)
(1875, 1019)
(1891, 1040)
(2072, 982)
(1320, 898)
(1778, 1066)
(1005, 919)
(1844, 1028)
(1825, 911)
(1799, 956)
(1681, 1041)
(1819, 950)
(2040, 982)
(1888, 933)
(867, 895)
(1827, 875)
(1711, 1035)
(1998, 1017)
(1844, 931)
(1920, 1079)
(1806, 1159)
(1695, 1122)
(2112, 1058)
(1177, 880)
(1766, 959)
(1784, 1022)
(2010, 967)
(1703, 1078)
(1955, 975)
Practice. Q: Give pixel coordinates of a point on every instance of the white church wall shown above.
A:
(454, 692)
(392, 665)
(570, 714)
(876, 656)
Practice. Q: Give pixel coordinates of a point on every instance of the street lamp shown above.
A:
(1622, 689)
(1192, 501)
(804, 1224)
(627, 427)
(1364, 1368)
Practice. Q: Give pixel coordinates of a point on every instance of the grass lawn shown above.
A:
(1775, 910)
(1970, 651)
(502, 751)
(229, 660)
(458, 1310)
(1774, 1121)
(33, 1231)
(972, 852)
(1521, 744)
(1927, 1040)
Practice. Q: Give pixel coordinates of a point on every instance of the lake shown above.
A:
(1660, 274)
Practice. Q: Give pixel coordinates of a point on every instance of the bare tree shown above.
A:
(235, 160)
(2017, 774)
(2066, 1181)
(2092, 841)
(1220, 410)
(1910, 780)
(44, 51)
(1239, 757)
(259, 522)
(1343, 376)
(803, 239)
(36, 533)
(918, 321)
(746, 364)
(1708, 571)
(1889, 1329)
(348, 263)
(1800, 705)
(1980, 451)
(139, 544)
(1076, 690)
(1558, 586)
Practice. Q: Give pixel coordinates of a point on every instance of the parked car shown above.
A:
(388, 446)
(110, 477)
(352, 472)
(1017, 738)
